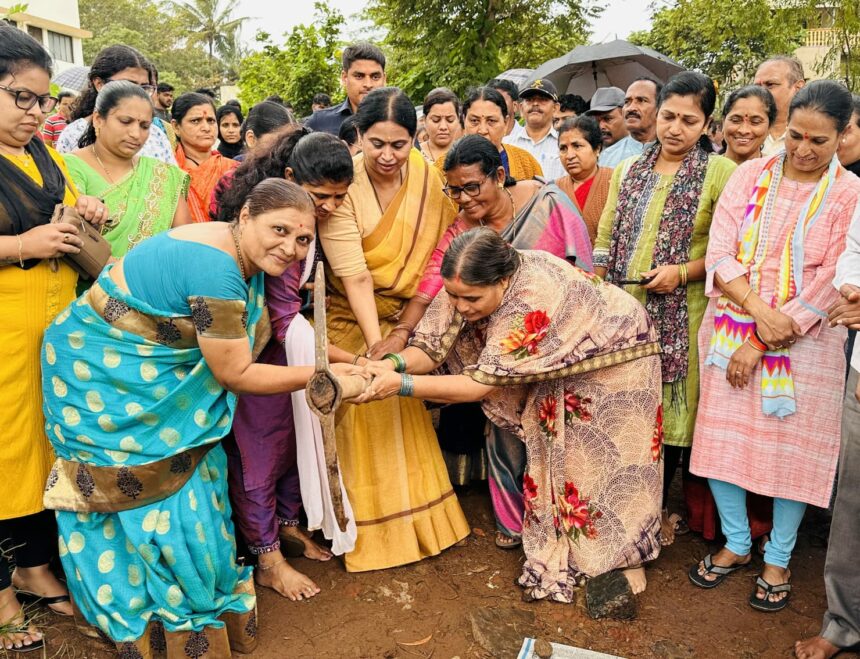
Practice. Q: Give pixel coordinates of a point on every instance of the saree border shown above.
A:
(585, 366)
(78, 487)
(446, 341)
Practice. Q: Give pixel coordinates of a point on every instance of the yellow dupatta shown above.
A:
(398, 249)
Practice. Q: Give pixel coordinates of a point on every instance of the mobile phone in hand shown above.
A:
(635, 282)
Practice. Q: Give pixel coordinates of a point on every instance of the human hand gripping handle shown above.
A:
(846, 310)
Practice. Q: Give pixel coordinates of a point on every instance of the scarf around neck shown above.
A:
(674, 238)
(23, 203)
(732, 325)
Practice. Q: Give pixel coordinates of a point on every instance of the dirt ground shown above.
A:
(426, 609)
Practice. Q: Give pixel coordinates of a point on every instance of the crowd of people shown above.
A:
(610, 291)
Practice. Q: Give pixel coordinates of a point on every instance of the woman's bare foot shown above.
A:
(775, 576)
(14, 631)
(723, 558)
(667, 527)
(815, 648)
(41, 581)
(312, 549)
(274, 572)
(636, 578)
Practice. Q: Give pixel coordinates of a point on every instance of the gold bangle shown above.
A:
(355, 360)
(20, 250)
(744, 298)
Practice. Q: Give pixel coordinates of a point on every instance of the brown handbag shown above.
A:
(95, 253)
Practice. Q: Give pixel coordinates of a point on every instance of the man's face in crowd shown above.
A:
(775, 77)
(363, 76)
(640, 109)
(64, 107)
(165, 99)
(612, 126)
(538, 110)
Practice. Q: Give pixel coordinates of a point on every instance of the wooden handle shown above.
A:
(352, 385)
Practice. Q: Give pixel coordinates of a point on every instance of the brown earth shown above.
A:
(427, 609)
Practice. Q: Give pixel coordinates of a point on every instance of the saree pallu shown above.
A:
(594, 201)
(127, 390)
(576, 370)
(204, 178)
(405, 508)
(142, 204)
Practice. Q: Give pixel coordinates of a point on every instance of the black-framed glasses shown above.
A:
(149, 89)
(471, 189)
(25, 99)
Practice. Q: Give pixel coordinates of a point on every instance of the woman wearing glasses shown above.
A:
(529, 215)
(34, 287)
(116, 63)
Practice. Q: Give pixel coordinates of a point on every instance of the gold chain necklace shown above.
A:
(513, 208)
(238, 250)
(105, 169)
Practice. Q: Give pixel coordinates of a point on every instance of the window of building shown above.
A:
(60, 46)
(35, 32)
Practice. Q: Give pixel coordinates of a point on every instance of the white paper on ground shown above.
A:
(562, 652)
(310, 452)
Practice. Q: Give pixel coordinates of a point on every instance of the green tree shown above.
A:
(210, 23)
(842, 17)
(458, 44)
(725, 39)
(145, 25)
(307, 63)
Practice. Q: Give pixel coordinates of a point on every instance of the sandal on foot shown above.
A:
(507, 542)
(18, 625)
(721, 572)
(27, 597)
(765, 604)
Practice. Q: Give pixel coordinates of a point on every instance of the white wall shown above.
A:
(61, 11)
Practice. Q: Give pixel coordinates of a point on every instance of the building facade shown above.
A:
(56, 25)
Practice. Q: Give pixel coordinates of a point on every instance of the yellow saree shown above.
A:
(392, 466)
(29, 301)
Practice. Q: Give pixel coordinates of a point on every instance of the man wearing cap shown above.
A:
(607, 107)
(538, 103)
(640, 120)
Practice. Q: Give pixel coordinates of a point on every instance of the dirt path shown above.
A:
(426, 609)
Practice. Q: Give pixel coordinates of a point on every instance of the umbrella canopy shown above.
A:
(75, 78)
(517, 76)
(614, 64)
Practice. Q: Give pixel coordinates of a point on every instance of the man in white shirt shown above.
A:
(538, 103)
(841, 628)
(782, 76)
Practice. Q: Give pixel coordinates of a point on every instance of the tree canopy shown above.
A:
(432, 43)
(306, 64)
(725, 39)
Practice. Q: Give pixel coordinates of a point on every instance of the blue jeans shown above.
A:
(732, 505)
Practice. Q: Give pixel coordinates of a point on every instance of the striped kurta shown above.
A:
(794, 457)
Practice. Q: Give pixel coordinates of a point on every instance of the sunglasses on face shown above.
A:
(25, 99)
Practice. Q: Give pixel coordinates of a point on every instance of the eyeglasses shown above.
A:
(149, 89)
(25, 99)
(471, 189)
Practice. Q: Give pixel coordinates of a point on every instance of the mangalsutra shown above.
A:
(238, 250)
(107, 173)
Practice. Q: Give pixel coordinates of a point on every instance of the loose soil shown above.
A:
(423, 610)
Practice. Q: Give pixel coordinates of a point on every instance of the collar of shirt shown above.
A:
(524, 136)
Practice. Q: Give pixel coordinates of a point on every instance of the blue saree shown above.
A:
(130, 405)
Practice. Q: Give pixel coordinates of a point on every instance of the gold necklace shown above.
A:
(107, 173)
(238, 250)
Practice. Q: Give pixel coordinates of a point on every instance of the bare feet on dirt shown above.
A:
(775, 576)
(723, 558)
(636, 578)
(41, 581)
(274, 572)
(14, 632)
(312, 550)
(815, 648)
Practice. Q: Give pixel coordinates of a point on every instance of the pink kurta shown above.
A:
(794, 457)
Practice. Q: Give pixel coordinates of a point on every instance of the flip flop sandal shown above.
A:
(27, 597)
(512, 543)
(35, 645)
(679, 523)
(765, 604)
(292, 547)
(721, 572)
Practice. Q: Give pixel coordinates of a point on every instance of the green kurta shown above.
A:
(677, 424)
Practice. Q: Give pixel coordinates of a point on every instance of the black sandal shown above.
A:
(764, 604)
(27, 597)
(12, 627)
(721, 572)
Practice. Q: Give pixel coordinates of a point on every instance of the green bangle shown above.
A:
(399, 362)
(407, 385)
